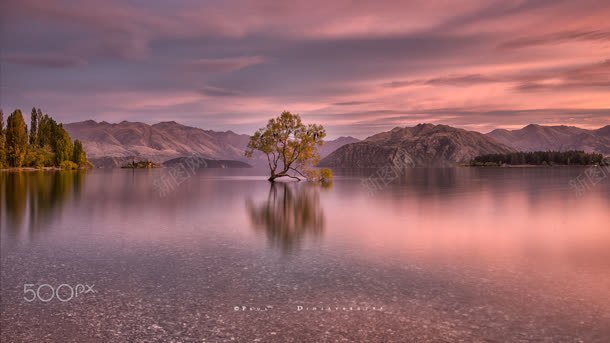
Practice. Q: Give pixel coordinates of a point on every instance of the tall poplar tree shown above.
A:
(78, 155)
(2, 145)
(16, 139)
(38, 120)
(34, 127)
(63, 145)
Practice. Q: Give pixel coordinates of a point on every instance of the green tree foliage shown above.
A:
(33, 127)
(38, 119)
(49, 143)
(78, 154)
(62, 146)
(16, 139)
(47, 128)
(39, 157)
(540, 158)
(68, 165)
(289, 145)
(2, 149)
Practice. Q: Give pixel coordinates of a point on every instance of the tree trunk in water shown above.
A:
(281, 174)
(274, 176)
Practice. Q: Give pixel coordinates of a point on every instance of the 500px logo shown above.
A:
(63, 292)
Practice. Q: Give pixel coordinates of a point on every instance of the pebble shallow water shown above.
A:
(175, 269)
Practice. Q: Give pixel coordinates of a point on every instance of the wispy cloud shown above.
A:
(45, 60)
(217, 91)
(557, 38)
(452, 80)
(227, 64)
(358, 67)
(581, 78)
(350, 103)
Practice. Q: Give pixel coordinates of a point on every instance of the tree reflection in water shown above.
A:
(291, 212)
(40, 193)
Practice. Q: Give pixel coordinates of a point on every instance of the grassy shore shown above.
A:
(31, 169)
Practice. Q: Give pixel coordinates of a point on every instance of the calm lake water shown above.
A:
(463, 254)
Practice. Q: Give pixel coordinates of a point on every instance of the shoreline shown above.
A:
(32, 169)
(529, 165)
(45, 169)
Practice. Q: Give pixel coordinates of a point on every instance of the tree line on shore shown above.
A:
(44, 144)
(571, 157)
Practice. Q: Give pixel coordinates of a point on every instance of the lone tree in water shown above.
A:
(290, 147)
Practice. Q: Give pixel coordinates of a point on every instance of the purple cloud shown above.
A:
(355, 66)
(45, 61)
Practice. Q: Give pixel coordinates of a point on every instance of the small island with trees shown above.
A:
(539, 158)
(144, 164)
(45, 144)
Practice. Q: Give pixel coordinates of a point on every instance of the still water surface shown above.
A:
(463, 254)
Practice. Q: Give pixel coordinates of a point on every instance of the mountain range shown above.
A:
(421, 145)
(442, 145)
(559, 138)
(112, 145)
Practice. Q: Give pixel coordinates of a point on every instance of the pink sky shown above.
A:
(358, 67)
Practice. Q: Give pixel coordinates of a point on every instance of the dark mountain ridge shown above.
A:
(421, 145)
(535, 137)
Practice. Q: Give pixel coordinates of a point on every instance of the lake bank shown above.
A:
(531, 165)
(30, 169)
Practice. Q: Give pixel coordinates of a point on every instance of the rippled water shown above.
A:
(472, 254)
